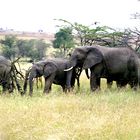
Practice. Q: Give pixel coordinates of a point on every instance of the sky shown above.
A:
(33, 15)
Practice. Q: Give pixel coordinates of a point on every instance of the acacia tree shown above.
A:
(64, 40)
(101, 35)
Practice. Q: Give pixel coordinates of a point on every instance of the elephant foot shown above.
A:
(22, 93)
(95, 89)
(68, 90)
(135, 88)
(30, 94)
(46, 92)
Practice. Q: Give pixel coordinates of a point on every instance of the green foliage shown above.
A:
(9, 46)
(10, 41)
(39, 49)
(101, 35)
(64, 40)
(23, 47)
(35, 49)
(13, 47)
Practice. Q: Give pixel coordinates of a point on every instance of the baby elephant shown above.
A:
(53, 72)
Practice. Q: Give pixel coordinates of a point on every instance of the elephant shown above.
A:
(53, 72)
(8, 73)
(122, 82)
(5, 74)
(118, 64)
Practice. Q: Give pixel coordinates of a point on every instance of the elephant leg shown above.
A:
(5, 87)
(78, 83)
(96, 73)
(109, 83)
(50, 88)
(94, 81)
(98, 83)
(48, 83)
(31, 87)
(64, 88)
(37, 82)
(134, 84)
(121, 83)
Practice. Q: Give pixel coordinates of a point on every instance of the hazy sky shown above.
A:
(32, 15)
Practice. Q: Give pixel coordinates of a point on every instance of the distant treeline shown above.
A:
(68, 37)
(11, 47)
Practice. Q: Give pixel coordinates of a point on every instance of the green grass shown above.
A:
(109, 114)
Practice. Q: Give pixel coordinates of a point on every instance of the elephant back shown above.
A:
(5, 68)
(60, 63)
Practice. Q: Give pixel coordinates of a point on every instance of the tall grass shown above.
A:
(109, 114)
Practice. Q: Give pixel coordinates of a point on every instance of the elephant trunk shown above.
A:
(71, 64)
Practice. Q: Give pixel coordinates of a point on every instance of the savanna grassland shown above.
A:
(110, 114)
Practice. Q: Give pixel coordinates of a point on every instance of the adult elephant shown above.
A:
(53, 72)
(118, 64)
(8, 73)
(5, 74)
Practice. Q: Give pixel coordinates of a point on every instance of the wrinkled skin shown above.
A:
(132, 79)
(8, 75)
(120, 83)
(53, 72)
(118, 64)
(5, 75)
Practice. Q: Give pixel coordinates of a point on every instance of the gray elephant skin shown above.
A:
(5, 74)
(8, 75)
(118, 64)
(53, 72)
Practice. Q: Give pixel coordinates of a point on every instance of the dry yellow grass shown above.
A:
(79, 115)
(109, 114)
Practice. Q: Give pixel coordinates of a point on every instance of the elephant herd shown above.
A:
(115, 64)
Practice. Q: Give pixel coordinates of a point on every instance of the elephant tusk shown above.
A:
(68, 69)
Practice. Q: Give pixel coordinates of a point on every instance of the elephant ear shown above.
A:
(49, 69)
(94, 56)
